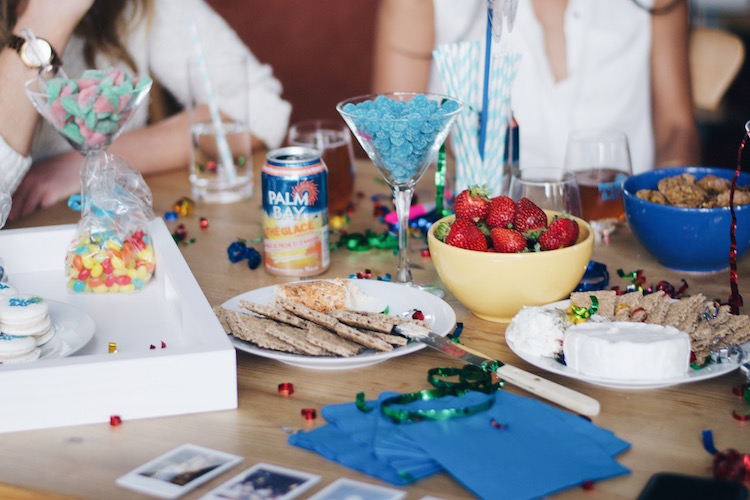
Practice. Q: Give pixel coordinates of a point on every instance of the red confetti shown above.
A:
(180, 233)
(204, 222)
(587, 485)
(115, 420)
(732, 465)
(211, 165)
(152, 346)
(163, 345)
(309, 413)
(740, 417)
(498, 425)
(286, 388)
(418, 315)
(425, 252)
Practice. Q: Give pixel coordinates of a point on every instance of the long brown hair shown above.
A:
(104, 27)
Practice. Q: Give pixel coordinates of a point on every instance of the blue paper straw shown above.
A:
(221, 138)
(485, 88)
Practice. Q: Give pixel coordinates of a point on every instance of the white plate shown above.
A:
(709, 371)
(398, 298)
(74, 328)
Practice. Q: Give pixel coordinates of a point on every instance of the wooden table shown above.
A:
(663, 425)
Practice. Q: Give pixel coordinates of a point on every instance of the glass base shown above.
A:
(223, 195)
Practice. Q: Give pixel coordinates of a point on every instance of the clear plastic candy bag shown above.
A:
(5, 201)
(112, 249)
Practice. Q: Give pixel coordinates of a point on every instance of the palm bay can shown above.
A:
(295, 212)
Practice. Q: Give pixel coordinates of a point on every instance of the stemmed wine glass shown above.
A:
(90, 117)
(401, 132)
(548, 187)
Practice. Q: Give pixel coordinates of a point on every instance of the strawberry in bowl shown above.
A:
(525, 256)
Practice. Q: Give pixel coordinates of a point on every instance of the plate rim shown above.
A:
(564, 370)
(342, 363)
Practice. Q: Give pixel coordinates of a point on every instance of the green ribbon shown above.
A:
(470, 378)
(580, 313)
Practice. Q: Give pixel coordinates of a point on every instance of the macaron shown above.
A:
(6, 289)
(26, 315)
(18, 349)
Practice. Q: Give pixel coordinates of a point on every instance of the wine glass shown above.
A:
(600, 159)
(91, 117)
(548, 187)
(401, 132)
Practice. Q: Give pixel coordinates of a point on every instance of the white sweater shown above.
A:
(163, 51)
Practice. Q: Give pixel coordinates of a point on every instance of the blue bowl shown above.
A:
(686, 239)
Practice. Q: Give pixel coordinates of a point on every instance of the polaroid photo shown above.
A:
(357, 490)
(178, 471)
(264, 481)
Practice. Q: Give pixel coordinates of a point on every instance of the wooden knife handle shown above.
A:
(568, 398)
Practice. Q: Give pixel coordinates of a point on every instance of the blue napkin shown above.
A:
(532, 449)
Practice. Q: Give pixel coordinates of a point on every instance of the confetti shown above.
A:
(115, 420)
(112, 347)
(204, 223)
(184, 206)
(170, 216)
(309, 413)
(286, 388)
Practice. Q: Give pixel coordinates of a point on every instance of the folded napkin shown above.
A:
(518, 448)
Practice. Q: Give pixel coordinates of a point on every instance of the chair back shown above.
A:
(716, 56)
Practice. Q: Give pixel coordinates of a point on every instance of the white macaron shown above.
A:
(18, 349)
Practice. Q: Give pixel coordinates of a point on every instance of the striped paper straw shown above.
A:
(221, 138)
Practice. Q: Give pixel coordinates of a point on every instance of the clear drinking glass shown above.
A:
(548, 187)
(401, 146)
(333, 140)
(600, 159)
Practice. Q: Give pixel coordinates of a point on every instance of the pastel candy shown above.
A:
(86, 98)
(58, 113)
(72, 132)
(54, 87)
(103, 105)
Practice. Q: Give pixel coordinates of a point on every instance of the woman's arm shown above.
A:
(404, 39)
(675, 132)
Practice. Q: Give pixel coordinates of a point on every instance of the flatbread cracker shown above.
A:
(607, 300)
(366, 340)
(273, 313)
(309, 314)
(330, 341)
(296, 337)
(253, 328)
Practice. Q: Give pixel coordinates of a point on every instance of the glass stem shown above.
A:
(402, 199)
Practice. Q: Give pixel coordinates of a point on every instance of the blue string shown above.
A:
(485, 90)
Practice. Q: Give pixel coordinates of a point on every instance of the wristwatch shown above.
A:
(36, 53)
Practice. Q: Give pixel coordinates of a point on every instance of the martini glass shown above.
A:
(88, 132)
(401, 132)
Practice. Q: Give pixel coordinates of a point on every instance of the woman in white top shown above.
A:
(619, 64)
(140, 36)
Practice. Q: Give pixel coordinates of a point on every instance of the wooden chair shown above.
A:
(716, 56)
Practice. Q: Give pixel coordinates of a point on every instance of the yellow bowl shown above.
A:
(494, 286)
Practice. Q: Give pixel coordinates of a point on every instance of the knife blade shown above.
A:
(539, 386)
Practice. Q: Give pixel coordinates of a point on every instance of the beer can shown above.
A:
(295, 212)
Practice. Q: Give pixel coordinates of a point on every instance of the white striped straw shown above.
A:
(221, 138)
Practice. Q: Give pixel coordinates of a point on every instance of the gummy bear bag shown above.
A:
(112, 249)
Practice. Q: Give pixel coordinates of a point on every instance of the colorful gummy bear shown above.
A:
(99, 263)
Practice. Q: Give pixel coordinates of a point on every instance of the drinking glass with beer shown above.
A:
(333, 140)
(600, 159)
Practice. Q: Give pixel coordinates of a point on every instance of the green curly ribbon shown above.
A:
(359, 242)
(362, 404)
(470, 378)
(580, 313)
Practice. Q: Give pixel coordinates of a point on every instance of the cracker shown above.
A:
(606, 298)
(273, 313)
(221, 315)
(309, 314)
(684, 311)
(656, 305)
(378, 322)
(626, 303)
(394, 340)
(253, 328)
(296, 337)
(366, 340)
(330, 341)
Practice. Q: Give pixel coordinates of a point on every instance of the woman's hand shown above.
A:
(46, 183)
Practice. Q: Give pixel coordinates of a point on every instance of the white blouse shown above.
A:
(163, 51)
(609, 76)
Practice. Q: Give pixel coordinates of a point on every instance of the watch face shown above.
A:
(36, 53)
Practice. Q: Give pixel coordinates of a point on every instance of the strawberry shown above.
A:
(472, 204)
(529, 216)
(507, 240)
(464, 234)
(502, 212)
(565, 229)
(549, 240)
